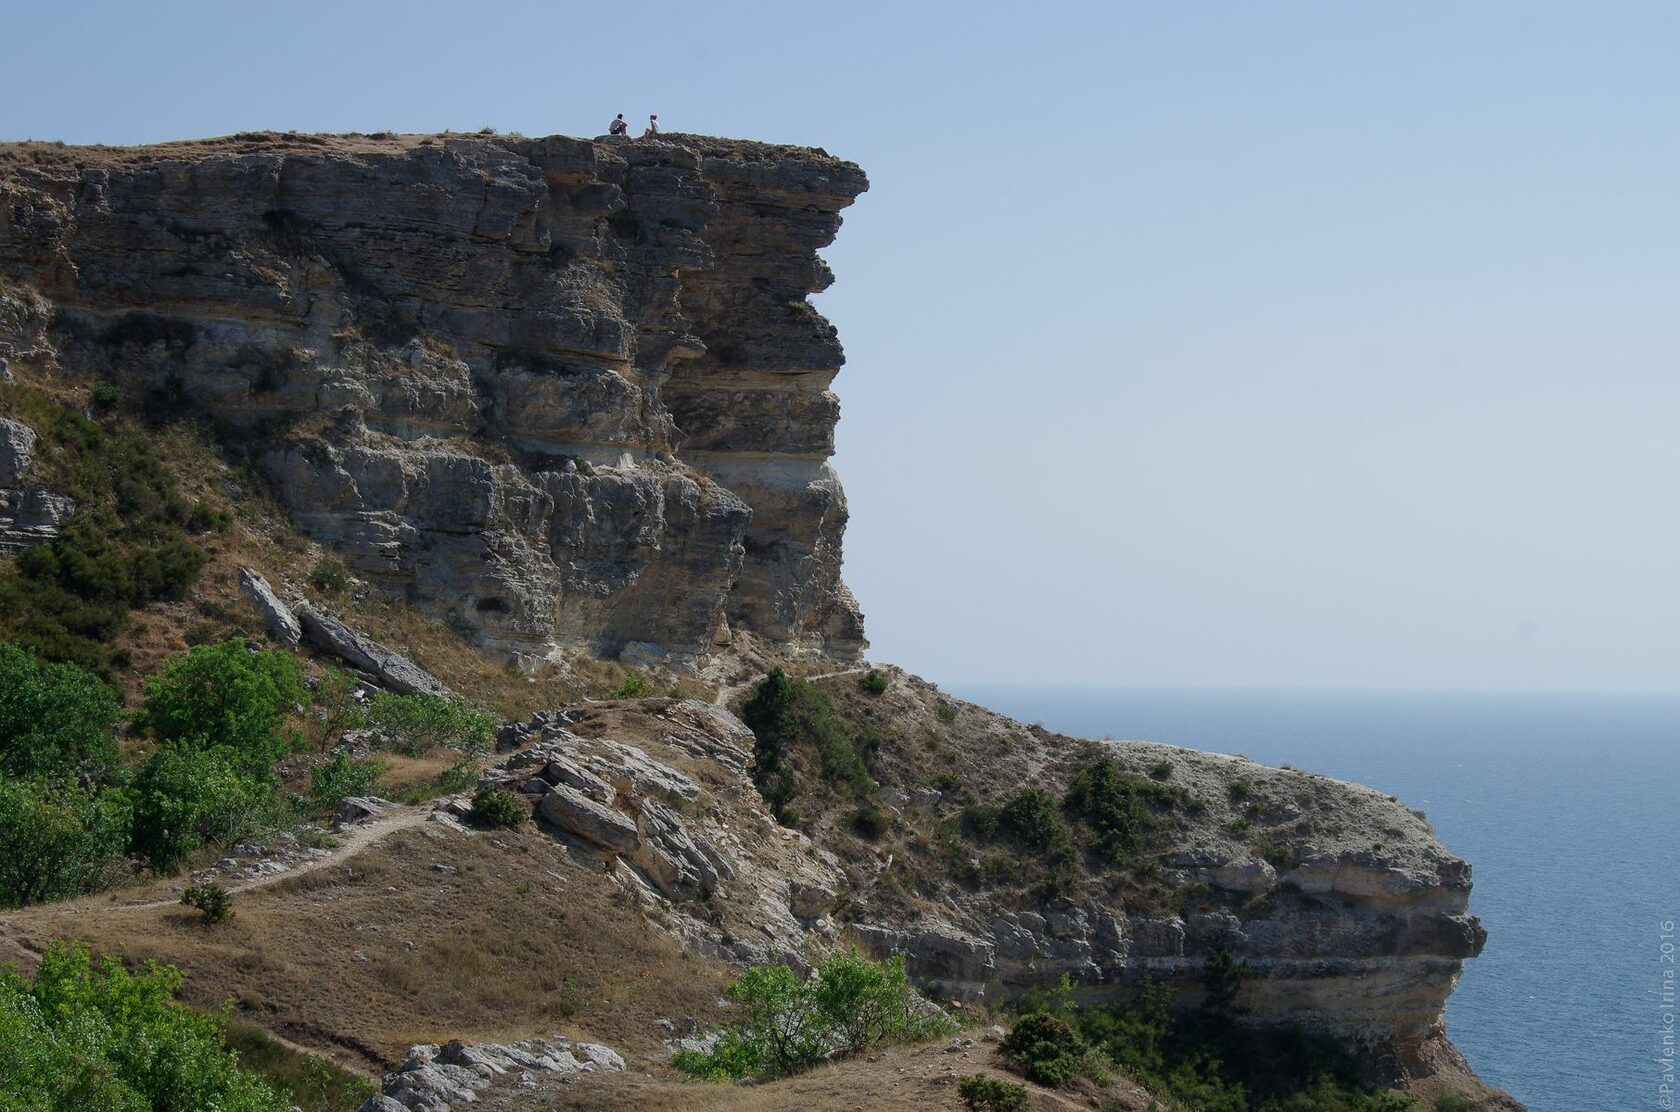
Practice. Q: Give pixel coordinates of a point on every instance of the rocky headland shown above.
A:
(569, 399)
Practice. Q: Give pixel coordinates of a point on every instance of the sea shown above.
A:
(1563, 804)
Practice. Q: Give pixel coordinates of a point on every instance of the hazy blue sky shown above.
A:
(1263, 344)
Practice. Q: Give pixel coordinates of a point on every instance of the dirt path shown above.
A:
(352, 842)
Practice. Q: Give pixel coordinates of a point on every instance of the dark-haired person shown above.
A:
(618, 126)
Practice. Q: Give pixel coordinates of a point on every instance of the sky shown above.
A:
(1190, 344)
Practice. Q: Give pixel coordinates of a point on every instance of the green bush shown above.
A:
(186, 798)
(226, 696)
(89, 1034)
(335, 709)
(106, 395)
(869, 823)
(1029, 818)
(635, 686)
(309, 1081)
(1223, 976)
(495, 806)
(784, 1025)
(126, 544)
(981, 1093)
(59, 840)
(340, 778)
(872, 683)
(1206, 1060)
(329, 576)
(55, 719)
(419, 723)
(1045, 1049)
(214, 901)
(793, 721)
(862, 1003)
(1278, 851)
(1121, 812)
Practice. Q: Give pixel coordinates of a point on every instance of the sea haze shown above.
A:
(1562, 803)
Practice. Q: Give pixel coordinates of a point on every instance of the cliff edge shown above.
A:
(559, 392)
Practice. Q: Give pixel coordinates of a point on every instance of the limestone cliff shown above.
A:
(561, 392)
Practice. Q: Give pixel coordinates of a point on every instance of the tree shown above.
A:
(783, 1024)
(225, 695)
(186, 797)
(863, 1002)
(87, 1033)
(55, 719)
(419, 723)
(60, 840)
(339, 778)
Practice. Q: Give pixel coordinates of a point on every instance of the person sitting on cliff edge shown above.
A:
(652, 128)
(618, 126)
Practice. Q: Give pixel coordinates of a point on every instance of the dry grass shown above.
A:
(430, 936)
(903, 1079)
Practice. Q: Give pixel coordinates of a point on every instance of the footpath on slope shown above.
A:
(353, 841)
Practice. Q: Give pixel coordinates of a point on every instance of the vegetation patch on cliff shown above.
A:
(804, 749)
(131, 540)
(1202, 1058)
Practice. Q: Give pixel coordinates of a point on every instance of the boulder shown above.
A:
(595, 823)
(358, 808)
(436, 1079)
(671, 856)
(391, 668)
(28, 516)
(281, 623)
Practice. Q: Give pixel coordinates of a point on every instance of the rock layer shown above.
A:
(562, 392)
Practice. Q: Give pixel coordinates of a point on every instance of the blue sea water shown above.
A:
(1565, 807)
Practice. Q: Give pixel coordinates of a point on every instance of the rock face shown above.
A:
(675, 820)
(564, 393)
(28, 514)
(437, 1078)
(1351, 917)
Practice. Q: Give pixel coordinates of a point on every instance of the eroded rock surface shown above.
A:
(676, 820)
(29, 515)
(561, 392)
(1352, 916)
(438, 1078)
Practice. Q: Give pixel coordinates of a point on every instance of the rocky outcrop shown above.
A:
(439, 1078)
(29, 515)
(1352, 918)
(389, 668)
(278, 619)
(563, 393)
(674, 818)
